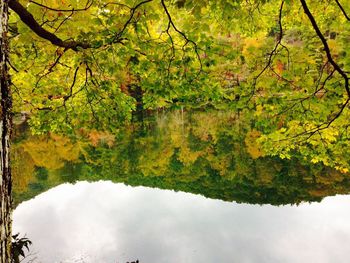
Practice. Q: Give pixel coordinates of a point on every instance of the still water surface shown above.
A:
(107, 222)
(191, 187)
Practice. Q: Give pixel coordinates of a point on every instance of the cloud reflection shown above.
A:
(105, 222)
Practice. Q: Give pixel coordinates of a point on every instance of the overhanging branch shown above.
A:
(30, 21)
(326, 47)
(87, 6)
(343, 10)
(171, 22)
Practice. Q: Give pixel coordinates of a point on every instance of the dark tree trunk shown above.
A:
(5, 128)
(136, 92)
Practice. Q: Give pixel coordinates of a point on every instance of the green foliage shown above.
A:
(230, 55)
(18, 247)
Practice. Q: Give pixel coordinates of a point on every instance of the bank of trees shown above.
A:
(91, 63)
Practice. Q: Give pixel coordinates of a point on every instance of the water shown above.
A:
(107, 222)
(183, 189)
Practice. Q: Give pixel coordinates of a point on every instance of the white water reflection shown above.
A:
(105, 222)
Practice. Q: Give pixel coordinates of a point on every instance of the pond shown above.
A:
(183, 187)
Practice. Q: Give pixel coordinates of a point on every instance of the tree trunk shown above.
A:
(5, 129)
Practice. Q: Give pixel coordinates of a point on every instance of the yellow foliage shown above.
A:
(252, 43)
(318, 192)
(51, 152)
(259, 110)
(207, 127)
(220, 164)
(188, 157)
(253, 147)
(334, 46)
(23, 169)
(177, 139)
(156, 163)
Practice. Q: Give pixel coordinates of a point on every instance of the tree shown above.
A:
(5, 126)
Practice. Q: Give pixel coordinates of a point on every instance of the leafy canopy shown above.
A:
(285, 62)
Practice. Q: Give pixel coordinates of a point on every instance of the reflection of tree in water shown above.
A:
(212, 154)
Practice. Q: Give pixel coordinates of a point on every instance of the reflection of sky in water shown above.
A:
(105, 222)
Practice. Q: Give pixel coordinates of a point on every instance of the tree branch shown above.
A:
(326, 47)
(132, 13)
(343, 10)
(171, 22)
(30, 21)
(87, 6)
(273, 52)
